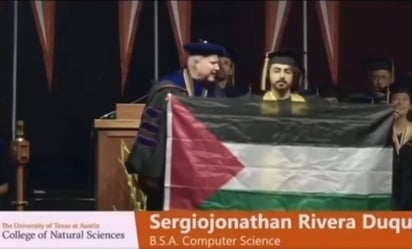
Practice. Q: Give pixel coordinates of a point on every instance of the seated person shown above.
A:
(197, 79)
(281, 81)
(282, 77)
(380, 77)
(226, 86)
(402, 140)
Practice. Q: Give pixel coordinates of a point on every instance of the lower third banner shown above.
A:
(247, 155)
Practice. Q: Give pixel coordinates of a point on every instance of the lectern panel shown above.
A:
(112, 190)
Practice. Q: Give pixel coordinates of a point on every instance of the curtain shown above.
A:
(45, 17)
(275, 20)
(180, 13)
(328, 13)
(129, 15)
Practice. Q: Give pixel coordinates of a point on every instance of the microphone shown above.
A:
(112, 114)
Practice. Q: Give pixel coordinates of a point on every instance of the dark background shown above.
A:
(87, 66)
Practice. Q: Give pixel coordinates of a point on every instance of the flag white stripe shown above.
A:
(305, 169)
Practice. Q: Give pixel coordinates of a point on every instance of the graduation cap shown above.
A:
(286, 57)
(230, 53)
(204, 48)
(379, 63)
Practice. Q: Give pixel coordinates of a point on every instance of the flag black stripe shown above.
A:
(310, 124)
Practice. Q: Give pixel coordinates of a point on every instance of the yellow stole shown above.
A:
(268, 108)
(190, 86)
(269, 96)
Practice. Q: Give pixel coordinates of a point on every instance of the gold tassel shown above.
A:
(301, 78)
(388, 91)
(232, 80)
(138, 198)
(264, 73)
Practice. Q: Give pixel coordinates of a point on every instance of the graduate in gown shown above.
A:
(402, 140)
(405, 165)
(227, 86)
(380, 78)
(282, 78)
(198, 78)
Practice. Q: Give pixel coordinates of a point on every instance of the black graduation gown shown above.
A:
(367, 98)
(147, 156)
(403, 178)
(396, 181)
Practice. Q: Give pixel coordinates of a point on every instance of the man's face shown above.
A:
(402, 103)
(281, 76)
(380, 79)
(207, 67)
(226, 66)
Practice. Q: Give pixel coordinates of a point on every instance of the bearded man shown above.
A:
(282, 77)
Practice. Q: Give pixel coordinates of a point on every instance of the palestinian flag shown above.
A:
(237, 154)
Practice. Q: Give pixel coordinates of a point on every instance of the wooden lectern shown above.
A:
(112, 190)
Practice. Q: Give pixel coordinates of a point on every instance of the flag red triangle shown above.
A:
(201, 164)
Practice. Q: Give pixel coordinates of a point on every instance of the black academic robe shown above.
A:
(147, 156)
(367, 98)
(402, 178)
(396, 181)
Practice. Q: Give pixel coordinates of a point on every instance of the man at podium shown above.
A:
(198, 79)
